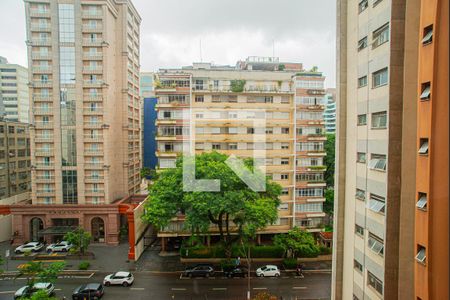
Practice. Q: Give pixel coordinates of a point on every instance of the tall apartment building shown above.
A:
(85, 136)
(224, 102)
(329, 115)
(377, 48)
(15, 165)
(431, 243)
(14, 100)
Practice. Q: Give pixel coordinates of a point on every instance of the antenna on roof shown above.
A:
(201, 58)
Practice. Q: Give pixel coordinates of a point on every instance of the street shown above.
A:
(172, 286)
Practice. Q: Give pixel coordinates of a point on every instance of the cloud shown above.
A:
(230, 30)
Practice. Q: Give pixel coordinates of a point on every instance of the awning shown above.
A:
(56, 230)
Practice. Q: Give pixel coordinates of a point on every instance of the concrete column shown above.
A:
(163, 243)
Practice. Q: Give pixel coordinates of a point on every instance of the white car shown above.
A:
(27, 292)
(62, 246)
(32, 246)
(268, 271)
(119, 278)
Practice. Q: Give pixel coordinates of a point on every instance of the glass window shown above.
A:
(69, 184)
(362, 81)
(380, 78)
(379, 120)
(66, 23)
(374, 282)
(362, 119)
(380, 36)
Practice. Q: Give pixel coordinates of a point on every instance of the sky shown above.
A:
(175, 33)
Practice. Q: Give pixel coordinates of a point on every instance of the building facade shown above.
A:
(329, 115)
(223, 103)
(373, 254)
(85, 135)
(15, 164)
(149, 100)
(14, 100)
(431, 243)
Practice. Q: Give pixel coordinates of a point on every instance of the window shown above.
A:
(378, 162)
(285, 130)
(284, 176)
(309, 207)
(283, 206)
(375, 244)
(285, 191)
(363, 5)
(380, 78)
(422, 202)
(284, 145)
(360, 194)
(426, 91)
(199, 146)
(216, 146)
(359, 230)
(199, 98)
(374, 282)
(377, 203)
(361, 157)
(358, 267)
(284, 161)
(427, 35)
(421, 254)
(379, 120)
(362, 120)
(362, 81)
(250, 130)
(232, 146)
(380, 36)
(376, 2)
(232, 130)
(423, 146)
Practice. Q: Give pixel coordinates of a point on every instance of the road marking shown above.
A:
(137, 289)
(178, 289)
(260, 288)
(299, 287)
(219, 289)
(8, 292)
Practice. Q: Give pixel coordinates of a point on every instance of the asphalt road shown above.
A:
(171, 286)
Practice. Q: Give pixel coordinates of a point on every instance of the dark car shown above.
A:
(236, 272)
(90, 291)
(202, 270)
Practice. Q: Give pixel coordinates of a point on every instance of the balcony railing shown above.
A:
(93, 138)
(43, 111)
(42, 83)
(41, 42)
(45, 178)
(43, 165)
(39, 55)
(40, 152)
(42, 124)
(43, 138)
(89, 28)
(42, 69)
(96, 152)
(92, 98)
(92, 55)
(41, 13)
(93, 111)
(45, 191)
(92, 42)
(92, 70)
(40, 27)
(93, 124)
(92, 14)
(95, 191)
(94, 178)
(93, 83)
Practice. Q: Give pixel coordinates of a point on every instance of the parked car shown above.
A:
(236, 272)
(268, 271)
(202, 270)
(62, 246)
(32, 246)
(90, 291)
(26, 291)
(119, 278)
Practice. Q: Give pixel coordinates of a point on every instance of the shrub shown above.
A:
(227, 264)
(266, 252)
(325, 250)
(290, 263)
(237, 86)
(27, 253)
(84, 265)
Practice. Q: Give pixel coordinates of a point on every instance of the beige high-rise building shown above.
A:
(224, 102)
(14, 99)
(377, 51)
(85, 136)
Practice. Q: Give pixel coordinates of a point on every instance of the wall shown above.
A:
(149, 130)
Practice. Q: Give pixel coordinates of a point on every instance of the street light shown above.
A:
(248, 269)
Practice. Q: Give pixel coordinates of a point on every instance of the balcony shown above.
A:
(93, 83)
(43, 111)
(43, 125)
(92, 55)
(42, 165)
(42, 69)
(93, 138)
(93, 165)
(42, 84)
(92, 98)
(92, 14)
(95, 192)
(89, 28)
(41, 42)
(93, 125)
(43, 152)
(42, 98)
(92, 42)
(93, 178)
(40, 13)
(93, 152)
(45, 178)
(39, 55)
(43, 138)
(41, 27)
(92, 70)
(43, 192)
(93, 111)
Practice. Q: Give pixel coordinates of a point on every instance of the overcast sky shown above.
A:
(229, 30)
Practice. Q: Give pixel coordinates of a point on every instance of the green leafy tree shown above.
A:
(79, 238)
(329, 159)
(237, 86)
(38, 272)
(297, 243)
(1, 264)
(235, 203)
(40, 295)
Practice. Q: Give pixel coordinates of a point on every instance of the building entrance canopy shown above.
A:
(56, 230)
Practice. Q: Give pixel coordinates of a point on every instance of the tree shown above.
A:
(235, 203)
(329, 159)
(297, 243)
(40, 295)
(79, 238)
(37, 271)
(1, 264)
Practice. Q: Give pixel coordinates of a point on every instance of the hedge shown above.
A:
(236, 251)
